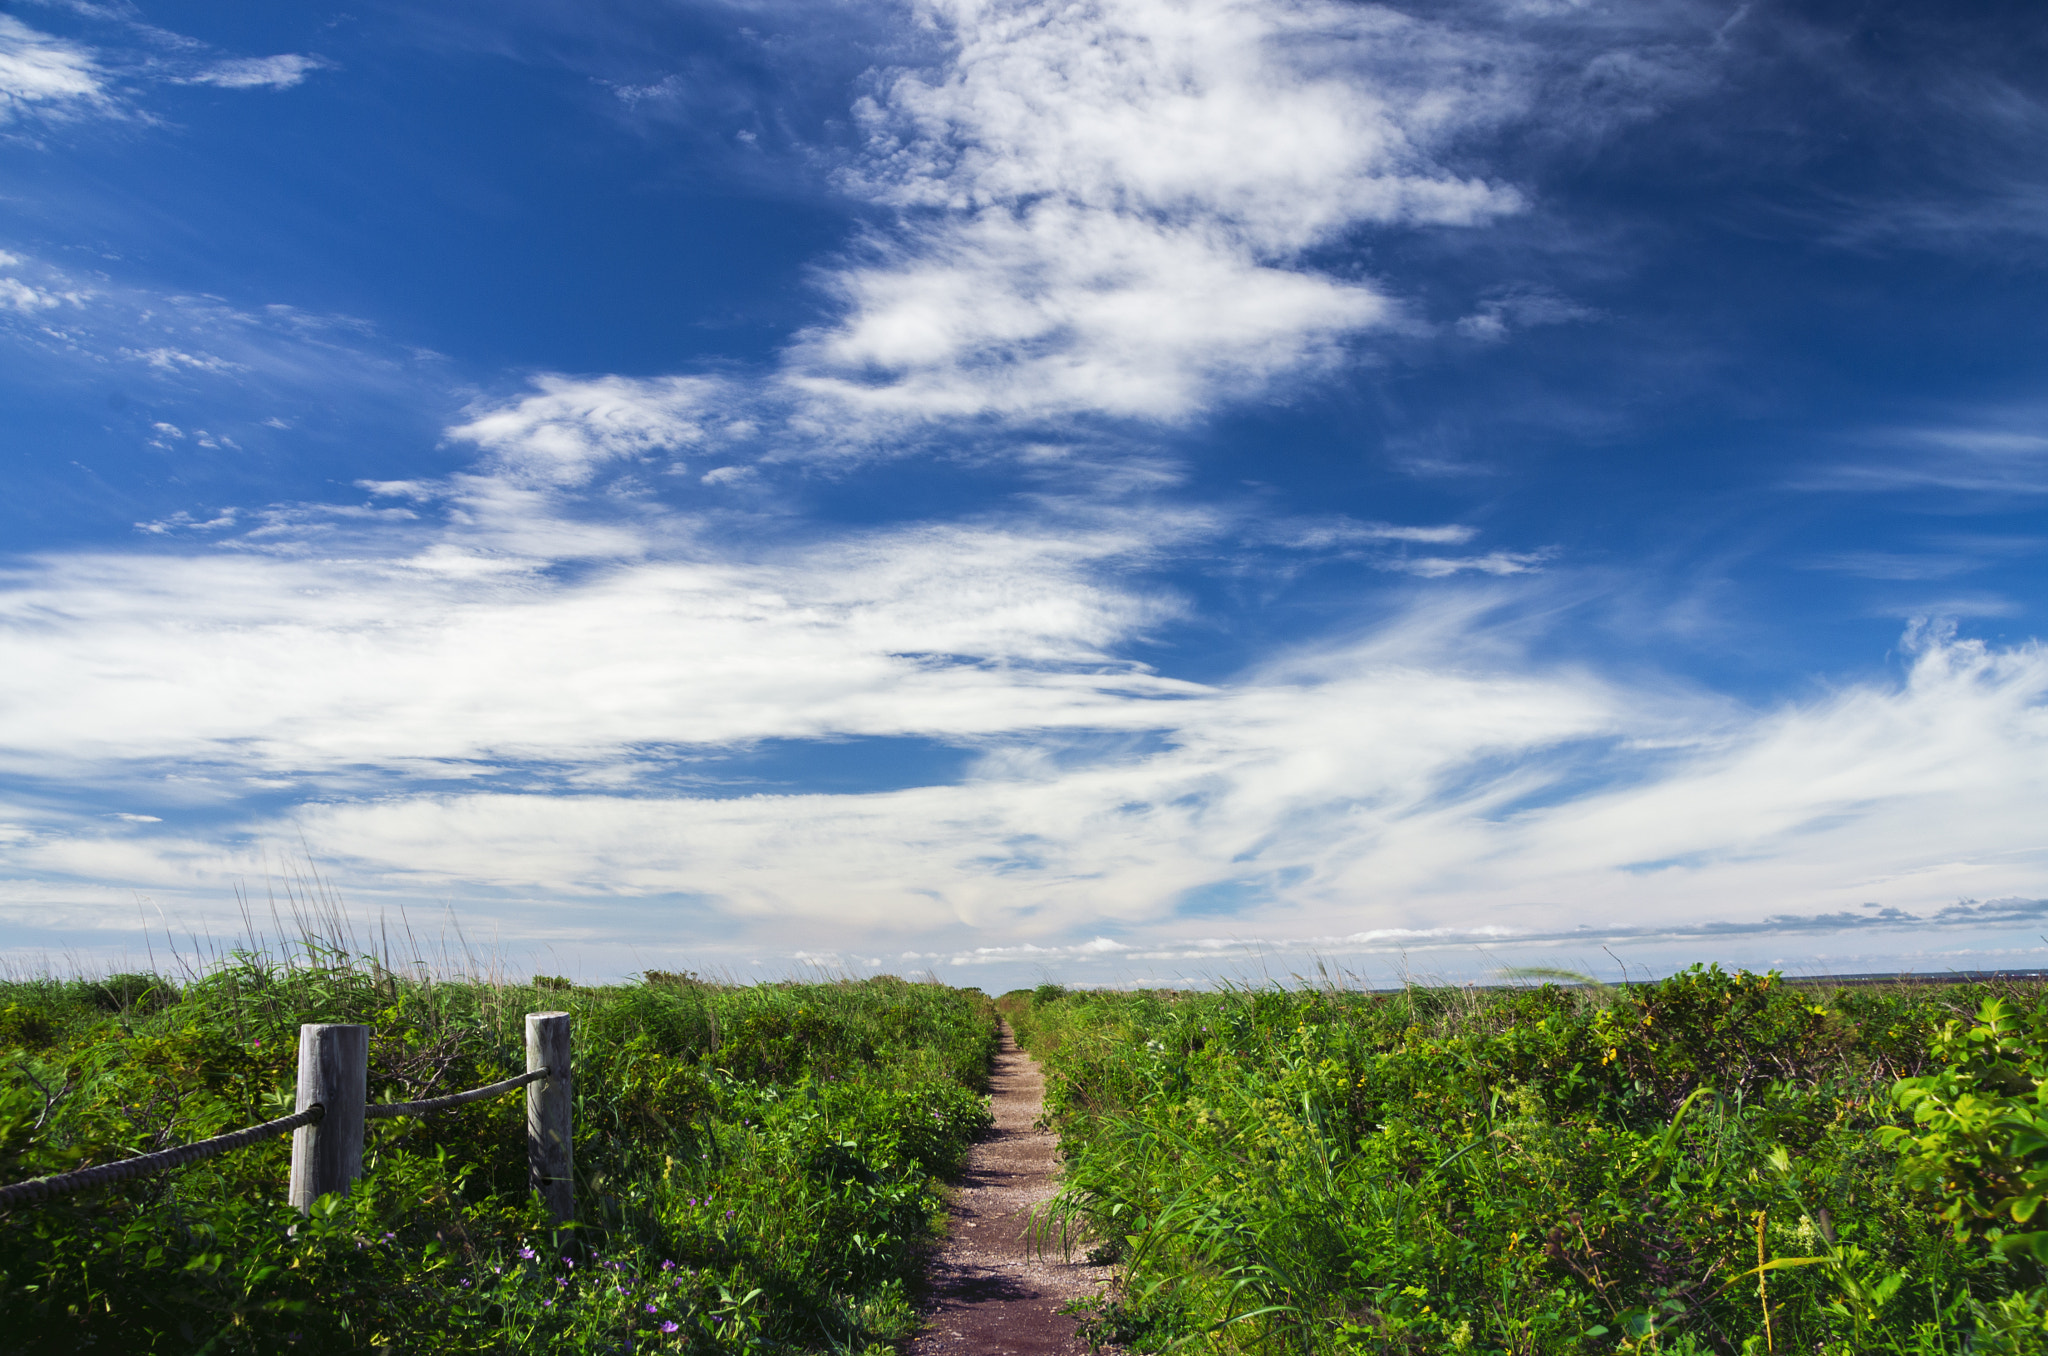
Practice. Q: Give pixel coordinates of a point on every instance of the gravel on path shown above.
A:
(993, 1292)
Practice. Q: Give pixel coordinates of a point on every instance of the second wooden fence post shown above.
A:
(334, 1071)
(549, 1104)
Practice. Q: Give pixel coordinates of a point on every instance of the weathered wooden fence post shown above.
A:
(548, 1113)
(334, 1070)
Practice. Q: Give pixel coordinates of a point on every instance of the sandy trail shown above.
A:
(992, 1293)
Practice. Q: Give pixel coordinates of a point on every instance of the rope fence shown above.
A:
(327, 1127)
(379, 1111)
(39, 1189)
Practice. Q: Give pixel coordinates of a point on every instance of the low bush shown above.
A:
(758, 1168)
(1713, 1163)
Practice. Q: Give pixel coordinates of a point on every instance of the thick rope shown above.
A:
(380, 1110)
(40, 1189)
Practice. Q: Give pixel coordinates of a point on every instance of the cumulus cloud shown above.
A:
(1098, 210)
(19, 296)
(572, 428)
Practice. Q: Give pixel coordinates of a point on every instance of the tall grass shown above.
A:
(1687, 1166)
(758, 1167)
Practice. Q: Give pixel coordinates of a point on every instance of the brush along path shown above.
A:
(993, 1292)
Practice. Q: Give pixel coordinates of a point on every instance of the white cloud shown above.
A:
(1105, 206)
(460, 649)
(167, 359)
(31, 301)
(2004, 455)
(1345, 795)
(1519, 308)
(250, 366)
(1101, 209)
(1428, 778)
(44, 74)
(57, 78)
(1105, 209)
(1337, 532)
(271, 72)
(1895, 565)
(1426, 782)
(569, 431)
(19, 296)
(1493, 562)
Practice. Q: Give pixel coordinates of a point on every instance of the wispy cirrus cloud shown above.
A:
(57, 78)
(1273, 791)
(2006, 453)
(42, 75)
(929, 630)
(271, 72)
(244, 364)
(449, 717)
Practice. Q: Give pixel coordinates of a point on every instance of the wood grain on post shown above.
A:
(334, 1071)
(550, 1163)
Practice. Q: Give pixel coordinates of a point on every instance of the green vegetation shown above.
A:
(757, 1167)
(1711, 1163)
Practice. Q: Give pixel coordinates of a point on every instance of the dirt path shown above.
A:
(992, 1293)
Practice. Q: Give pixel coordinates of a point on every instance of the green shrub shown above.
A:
(784, 1205)
(1536, 1170)
(127, 993)
(24, 1027)
(1982, 1128)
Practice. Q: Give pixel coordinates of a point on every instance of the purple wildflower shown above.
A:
(669, 1326)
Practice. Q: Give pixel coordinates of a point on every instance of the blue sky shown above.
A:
(1126, 492)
